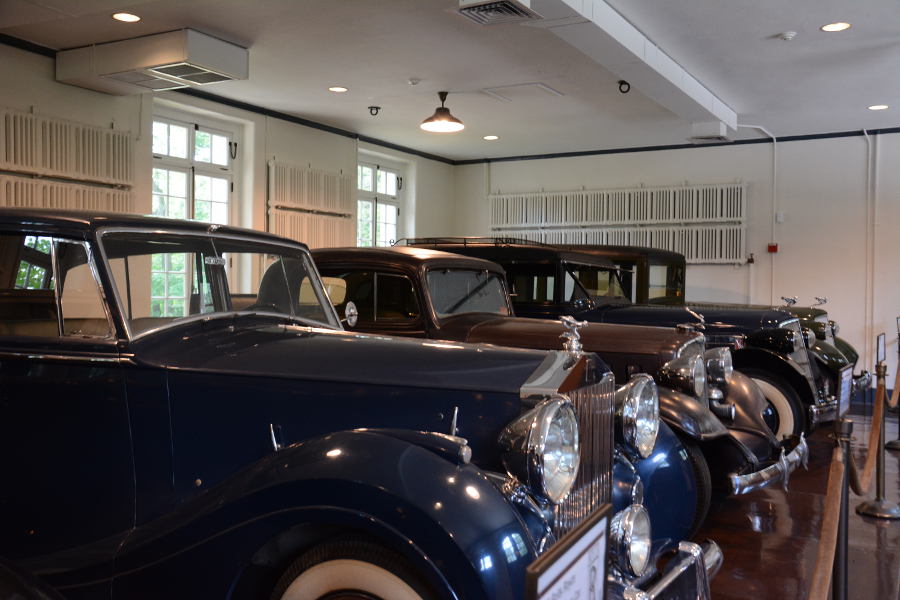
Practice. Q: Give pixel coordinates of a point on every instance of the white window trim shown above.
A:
(396, 200)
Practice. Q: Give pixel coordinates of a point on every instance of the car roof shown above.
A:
(614, 251)
(89, 221)
(503, 249)
(409, 256)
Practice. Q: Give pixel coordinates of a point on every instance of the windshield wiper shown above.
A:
(468, 296)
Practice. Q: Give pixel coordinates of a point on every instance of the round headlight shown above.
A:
(719, 366)
(638, 402)
(629, 533)
(835, 328)
(541, 449)
(697, 372)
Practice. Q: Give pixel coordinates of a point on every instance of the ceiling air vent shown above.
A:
(495, 13)
(163, 61)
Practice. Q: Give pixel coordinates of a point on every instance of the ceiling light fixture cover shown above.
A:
(879, 107)
(831, 27)
(338, 89)
(491, 138)
(442, 121)
(126, 17)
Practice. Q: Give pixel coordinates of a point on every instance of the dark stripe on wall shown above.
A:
(44, 51)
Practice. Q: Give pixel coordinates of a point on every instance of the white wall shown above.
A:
(821, 190)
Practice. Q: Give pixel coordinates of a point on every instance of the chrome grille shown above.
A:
(595, 407)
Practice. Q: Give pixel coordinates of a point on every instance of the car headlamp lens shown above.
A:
(630, 537)
(719, 365)
(541, 449)
(638, 405)
(698, 375)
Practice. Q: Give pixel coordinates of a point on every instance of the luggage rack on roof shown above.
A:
(469, 241)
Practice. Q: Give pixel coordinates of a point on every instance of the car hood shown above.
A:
(717, 319)
(265, 348)
(610, 341)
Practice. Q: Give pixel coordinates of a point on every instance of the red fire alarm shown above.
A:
(773, 248)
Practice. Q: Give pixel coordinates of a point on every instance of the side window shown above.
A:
(395, 298)
(379, 297)
(529, 288)
(30, 284)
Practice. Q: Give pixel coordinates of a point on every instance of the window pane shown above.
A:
(160, 181)
(219, 189)
(219, 213)
(178, 184)
(365, 178)
(220, 150)
(159, 206)
(386, 225)
(82, 307)
(380, 182)
(390, 187)
(202, 211)
(202, 187)
(364, 223)
(178, 141)
(160, 138)
(177, 208)
(202, 146)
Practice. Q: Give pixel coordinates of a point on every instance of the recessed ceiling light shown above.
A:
(126, 17)
(491, 138)
(835, 27)
(879, 107)
(338, 89)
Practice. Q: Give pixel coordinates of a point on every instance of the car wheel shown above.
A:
(702, 479)
(350, 569)
(785, 413)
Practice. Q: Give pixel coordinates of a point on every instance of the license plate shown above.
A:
(846, 386)
(575, 566)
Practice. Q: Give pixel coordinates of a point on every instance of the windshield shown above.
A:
(163, 278)
(597, 281)
(457, 291)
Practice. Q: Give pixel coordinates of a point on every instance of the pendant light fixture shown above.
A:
(442, 121)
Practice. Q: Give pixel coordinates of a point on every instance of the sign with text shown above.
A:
(846, 389)
(574, 568)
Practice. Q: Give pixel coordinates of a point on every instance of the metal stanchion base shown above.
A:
(893, 445)
(880, 509)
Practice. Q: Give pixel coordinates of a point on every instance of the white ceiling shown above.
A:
(817, 83)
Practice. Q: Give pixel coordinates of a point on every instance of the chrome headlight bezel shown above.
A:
(527, 442)
(637, 409)
(719, 365)
(686, 374)
(630, 538)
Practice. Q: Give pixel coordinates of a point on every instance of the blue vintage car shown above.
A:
(182, 416)
(767, 345)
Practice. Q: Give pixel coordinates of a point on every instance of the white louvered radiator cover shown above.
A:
(703, 222)
(22, 192)
(311, 206)
(41, 145)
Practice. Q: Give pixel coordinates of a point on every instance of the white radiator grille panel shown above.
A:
(312, 206)
(22, 192)
(703, 222)
(316, 231)
(40, 145)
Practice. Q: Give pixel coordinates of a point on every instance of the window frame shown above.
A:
(375, 198)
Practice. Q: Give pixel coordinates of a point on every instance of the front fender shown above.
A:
(777, 364)
(847, 349)
(444, 518)
(689, 415)
(750, 403)
(828, 356)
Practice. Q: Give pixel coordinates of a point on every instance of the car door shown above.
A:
(67, 498)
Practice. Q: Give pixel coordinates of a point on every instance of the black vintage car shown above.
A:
(655, 276)
(181, 415)
(767, 345)
(425, 293)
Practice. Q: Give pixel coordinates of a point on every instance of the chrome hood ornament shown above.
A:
(572, 335)
(820, 300)
(789, 301)
(699, 316)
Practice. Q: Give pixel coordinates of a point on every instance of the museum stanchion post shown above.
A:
(880, 507)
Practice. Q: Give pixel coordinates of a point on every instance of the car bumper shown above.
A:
(780, 470)
(685, 576)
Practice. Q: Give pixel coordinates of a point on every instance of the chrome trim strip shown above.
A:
(65, 357)
(779, 471)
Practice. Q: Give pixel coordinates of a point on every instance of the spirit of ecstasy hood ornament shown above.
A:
(820, 300)
(789, 301)
(572, 335)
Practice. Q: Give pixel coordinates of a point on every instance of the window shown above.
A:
(379, 297)
(378, 205)
(531, 283)
(597, 281)
(459, 291)
(192, 179)
(47, 289)
(665, 280)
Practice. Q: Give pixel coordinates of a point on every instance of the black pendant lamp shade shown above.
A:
(442, 121)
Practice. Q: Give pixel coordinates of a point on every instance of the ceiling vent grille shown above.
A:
(496, 13)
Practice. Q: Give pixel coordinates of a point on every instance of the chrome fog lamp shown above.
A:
(630, 540)
(686, 373)
(637, 404)
(835, 328)
(541, 449)
(719, 365)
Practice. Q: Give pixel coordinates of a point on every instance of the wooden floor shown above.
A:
(770, 537)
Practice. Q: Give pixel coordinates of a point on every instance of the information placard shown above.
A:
(574, 567)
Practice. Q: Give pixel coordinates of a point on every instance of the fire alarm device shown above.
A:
(773, 248)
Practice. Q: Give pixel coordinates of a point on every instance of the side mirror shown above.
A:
(351, 314)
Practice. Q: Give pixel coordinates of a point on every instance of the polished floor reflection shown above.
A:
(770, 537)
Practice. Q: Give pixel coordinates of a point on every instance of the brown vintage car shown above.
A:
(419, 292)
